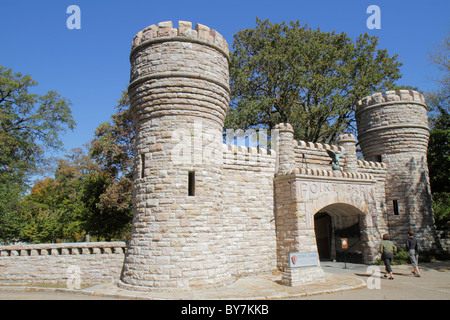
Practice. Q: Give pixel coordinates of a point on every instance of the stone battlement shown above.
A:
(317, 146)
(371, 165)
(243, 150)
(330, 173)
(184, 32)
(389, 97)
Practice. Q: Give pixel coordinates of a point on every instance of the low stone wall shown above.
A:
(71, 264)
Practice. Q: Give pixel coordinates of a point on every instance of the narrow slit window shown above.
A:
(395, 203)
(191, 183)
(142, 165)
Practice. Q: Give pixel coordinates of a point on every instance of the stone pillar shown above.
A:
(179, 94)
(348, 142)
(284, 137)
(295, 235)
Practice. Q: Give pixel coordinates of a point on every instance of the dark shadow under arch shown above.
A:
(332, 224)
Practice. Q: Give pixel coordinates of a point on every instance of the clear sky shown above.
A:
(90, 66)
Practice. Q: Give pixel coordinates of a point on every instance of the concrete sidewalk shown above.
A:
(341, 280)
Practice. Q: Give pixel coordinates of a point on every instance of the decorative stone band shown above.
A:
(391, 127)
(165, 32)
(63, 249)
(174, 74)
(327, 174)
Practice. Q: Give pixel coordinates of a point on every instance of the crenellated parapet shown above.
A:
(400, 96)
(391, 122)
(179, 71)
(247, 151)
(316, 146)
(371, 165)
(164, 30)
(330, 174)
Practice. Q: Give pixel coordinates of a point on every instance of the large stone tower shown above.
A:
(393, 129)
(179, 94)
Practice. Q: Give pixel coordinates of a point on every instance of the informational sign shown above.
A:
(344, 243)
(303, 259)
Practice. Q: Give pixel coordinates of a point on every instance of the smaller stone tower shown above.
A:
(348, 142)
(179, 95)
(393, 129)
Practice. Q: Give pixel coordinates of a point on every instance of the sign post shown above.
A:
(344, 246)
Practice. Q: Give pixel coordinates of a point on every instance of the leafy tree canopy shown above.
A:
(439, 144)
(30, 124)
(309, 78)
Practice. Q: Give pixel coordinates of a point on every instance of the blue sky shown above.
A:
(90, 66)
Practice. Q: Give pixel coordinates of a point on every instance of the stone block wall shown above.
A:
(90, 262)
(249, 222)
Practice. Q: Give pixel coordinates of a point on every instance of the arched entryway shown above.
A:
(350, 203)
(338, 233)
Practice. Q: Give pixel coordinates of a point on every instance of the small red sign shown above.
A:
(344, 243)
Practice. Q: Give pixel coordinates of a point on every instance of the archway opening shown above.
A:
(338, 233)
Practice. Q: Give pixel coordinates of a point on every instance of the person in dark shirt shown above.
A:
(412, 245)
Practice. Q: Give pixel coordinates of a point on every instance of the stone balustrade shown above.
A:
(90, 262)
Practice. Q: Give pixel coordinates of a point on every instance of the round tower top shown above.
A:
(165, 31)
(393, 96)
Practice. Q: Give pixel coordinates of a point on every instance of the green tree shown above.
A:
(55, 209)
(30, 125)
(113, 145)
(311, 79)
(439, 144)
(108, 193)
(108, 206)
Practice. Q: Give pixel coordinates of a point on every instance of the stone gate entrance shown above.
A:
(349, 200)
(204, 222)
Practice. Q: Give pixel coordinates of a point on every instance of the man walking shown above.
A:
(412, 245)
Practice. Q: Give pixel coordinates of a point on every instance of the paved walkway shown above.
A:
(343, 281)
